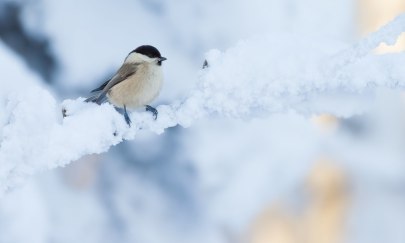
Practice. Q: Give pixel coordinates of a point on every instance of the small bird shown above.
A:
(136, 83)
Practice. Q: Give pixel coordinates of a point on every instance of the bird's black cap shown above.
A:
(147, 50)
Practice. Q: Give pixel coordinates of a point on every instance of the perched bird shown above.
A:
(136, 83)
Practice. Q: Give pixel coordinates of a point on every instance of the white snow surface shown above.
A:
(255, 78)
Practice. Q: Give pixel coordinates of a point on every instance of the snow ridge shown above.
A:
(255, 78)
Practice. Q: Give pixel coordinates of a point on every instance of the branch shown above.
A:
(255, 78)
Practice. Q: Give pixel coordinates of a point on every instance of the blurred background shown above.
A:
(283, 179)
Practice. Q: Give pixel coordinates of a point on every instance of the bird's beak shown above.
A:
(162, 59)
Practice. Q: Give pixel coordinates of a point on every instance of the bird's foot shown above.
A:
(153, 110)
(128, 121)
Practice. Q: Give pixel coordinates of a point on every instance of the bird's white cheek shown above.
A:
(138, 58)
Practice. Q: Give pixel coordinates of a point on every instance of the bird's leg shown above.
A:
(126, 116)
(153, 110)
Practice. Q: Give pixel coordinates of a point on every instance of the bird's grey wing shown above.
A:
(123, 73)
(101, 87)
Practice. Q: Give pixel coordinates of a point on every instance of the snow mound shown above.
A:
(257, 77)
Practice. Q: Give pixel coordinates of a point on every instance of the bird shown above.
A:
(136, 83)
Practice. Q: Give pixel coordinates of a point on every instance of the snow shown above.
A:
(255, 78)
(248, 143)
(20, 219)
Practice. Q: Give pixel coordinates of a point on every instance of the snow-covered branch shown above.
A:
(255, 78)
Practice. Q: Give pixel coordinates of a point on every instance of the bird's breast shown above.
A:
(139, 89)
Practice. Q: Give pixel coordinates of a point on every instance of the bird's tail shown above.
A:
(97, 98)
